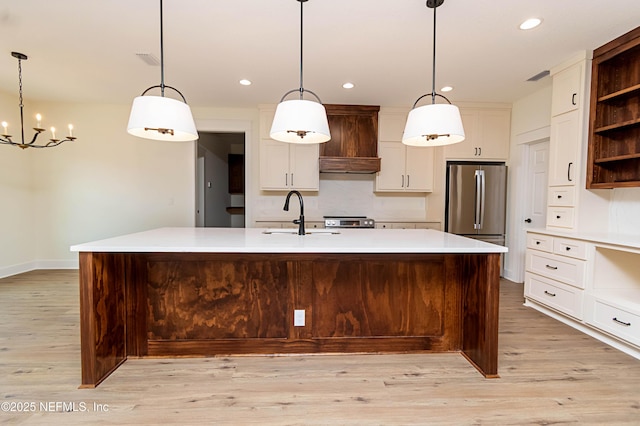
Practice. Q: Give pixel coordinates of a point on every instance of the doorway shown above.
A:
(537, 181)
(220, 187)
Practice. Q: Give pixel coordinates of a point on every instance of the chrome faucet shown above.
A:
(300, 220)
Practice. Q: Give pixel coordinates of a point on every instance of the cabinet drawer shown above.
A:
(613, 320)
(569, 247)
(540, 242)
(569, 271)
(560, 216)
(561, 196)
(563, 298)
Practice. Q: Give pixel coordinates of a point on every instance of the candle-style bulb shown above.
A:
(53, 133)
(5, 125)
(38, 120)
(70, 129)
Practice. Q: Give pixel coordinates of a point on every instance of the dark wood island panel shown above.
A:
(205, 304)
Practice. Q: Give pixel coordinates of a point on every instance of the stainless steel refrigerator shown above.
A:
(476, 200)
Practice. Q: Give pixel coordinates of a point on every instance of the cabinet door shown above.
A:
(566, 90)
(274, 165)
(391, 176)
(419, 169)
(564, 149)
(303, 167)
(494, 133)
(468, 148)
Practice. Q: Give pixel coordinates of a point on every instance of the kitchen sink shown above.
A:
(294, 231)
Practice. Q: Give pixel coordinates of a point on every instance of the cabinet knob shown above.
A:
(557, 217)
(567, 248)
(559, 196)
(537, 242)
(528, 220)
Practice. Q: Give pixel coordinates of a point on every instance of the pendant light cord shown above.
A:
(161, 53)
(301, 49)
(433, 74)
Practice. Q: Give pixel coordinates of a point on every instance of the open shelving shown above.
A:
(614, 123)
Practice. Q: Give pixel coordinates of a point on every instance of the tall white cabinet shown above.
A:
(285, 166)
(568, 133)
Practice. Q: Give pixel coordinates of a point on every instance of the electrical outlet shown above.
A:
(298, 318)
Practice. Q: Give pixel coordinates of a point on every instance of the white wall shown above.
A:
(17, 212)
(103, 184)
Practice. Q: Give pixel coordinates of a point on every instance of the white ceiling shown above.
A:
(85, 50)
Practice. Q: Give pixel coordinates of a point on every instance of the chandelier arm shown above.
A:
(301, 90)
(166, 87)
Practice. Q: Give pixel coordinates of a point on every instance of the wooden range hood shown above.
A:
(353, 147)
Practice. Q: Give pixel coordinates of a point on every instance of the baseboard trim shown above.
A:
(21, 268)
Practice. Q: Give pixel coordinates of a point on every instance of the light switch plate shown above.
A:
(298, 318)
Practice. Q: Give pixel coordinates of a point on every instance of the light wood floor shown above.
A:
(550, 374)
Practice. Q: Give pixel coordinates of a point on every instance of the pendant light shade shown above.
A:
(435, 124)
(300, 121)
(159, 117)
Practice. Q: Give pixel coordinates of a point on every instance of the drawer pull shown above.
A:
(626, 324)
(537, 242)
(559, 196)
(558, 217)
(551, 267)
(567, 248)
(554, 295)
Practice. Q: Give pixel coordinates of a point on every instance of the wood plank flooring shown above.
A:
(550, 374)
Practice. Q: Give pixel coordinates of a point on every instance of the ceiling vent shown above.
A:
(539, 76)
(149, 59)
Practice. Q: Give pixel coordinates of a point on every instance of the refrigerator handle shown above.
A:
(477, 207)
(482, 197)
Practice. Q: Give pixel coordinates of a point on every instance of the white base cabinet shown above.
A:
(591, 282)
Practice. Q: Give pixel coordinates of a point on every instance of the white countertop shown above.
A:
(626, 240)
(254, 240)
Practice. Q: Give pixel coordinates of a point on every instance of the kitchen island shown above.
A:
(174, 292)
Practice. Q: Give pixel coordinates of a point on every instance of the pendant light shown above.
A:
(158, 117)
(433, 124)
(300, 121)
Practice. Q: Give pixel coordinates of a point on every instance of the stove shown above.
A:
(348, 222)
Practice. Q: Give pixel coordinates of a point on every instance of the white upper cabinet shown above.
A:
(567, 90)
(487, 134)
(564, 164)
(402, 168)
(285, 166)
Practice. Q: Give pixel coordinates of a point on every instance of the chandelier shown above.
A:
(6, 137)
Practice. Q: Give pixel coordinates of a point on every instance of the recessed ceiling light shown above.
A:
(348, 85)
(446, 89)
(530, 23)
(245, 82)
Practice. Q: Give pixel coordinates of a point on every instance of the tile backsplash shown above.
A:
(342, 195)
